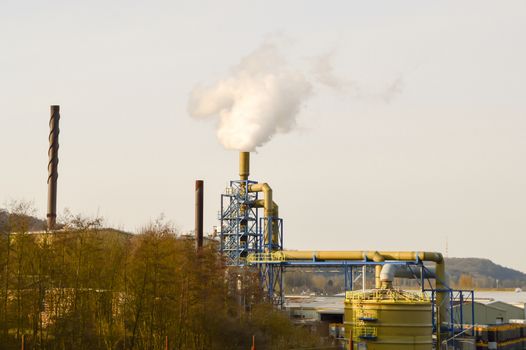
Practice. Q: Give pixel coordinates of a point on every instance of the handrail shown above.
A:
(386, 294)
(270, 257)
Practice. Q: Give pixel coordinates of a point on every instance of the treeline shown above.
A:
(85, 287)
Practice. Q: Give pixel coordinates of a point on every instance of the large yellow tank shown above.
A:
(388, 319)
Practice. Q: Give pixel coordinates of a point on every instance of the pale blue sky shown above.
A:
(443, 160)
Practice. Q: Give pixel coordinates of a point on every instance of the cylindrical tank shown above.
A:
(388, 319)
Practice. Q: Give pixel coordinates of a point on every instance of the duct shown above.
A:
(390, 271)
(271, 211)
(261, 204)
(376, 257)
(274, 214)
(387, 275)
(53, 167)
(359, 255)
(267, 193)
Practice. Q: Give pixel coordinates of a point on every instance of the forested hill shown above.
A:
(34, 224)
(484, 273)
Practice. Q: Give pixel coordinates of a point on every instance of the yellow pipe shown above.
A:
(359, 255)
(267, 192)
(376, 257)
(271, 210)
(260, 203)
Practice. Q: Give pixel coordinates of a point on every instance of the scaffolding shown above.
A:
(240, 234)
(243, 240)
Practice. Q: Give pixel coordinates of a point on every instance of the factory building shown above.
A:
(484, 313)
(513, 312)
(494, 308)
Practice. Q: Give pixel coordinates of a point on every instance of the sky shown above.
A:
(439, 165)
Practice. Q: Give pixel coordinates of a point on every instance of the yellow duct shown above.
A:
(376, 257)
(271, 210)
(260, 203)
(267, 193)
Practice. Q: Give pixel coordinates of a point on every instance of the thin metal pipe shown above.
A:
(53, 167)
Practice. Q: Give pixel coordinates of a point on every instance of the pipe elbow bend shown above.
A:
(265, 187)
(375, 256)
(260, 187)
(432, 256)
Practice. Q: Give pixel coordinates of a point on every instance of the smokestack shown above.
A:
(244, 165)
(199, 187)
(52, 167)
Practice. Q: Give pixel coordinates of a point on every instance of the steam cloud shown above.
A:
(323, 73)
(262, 97)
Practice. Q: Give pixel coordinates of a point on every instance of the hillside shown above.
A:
(34, 224)
(484, 273)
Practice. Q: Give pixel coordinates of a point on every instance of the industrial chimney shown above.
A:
(52, 167)
(199, 188)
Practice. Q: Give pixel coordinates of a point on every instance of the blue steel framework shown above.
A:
(271, 275)
(242, 234)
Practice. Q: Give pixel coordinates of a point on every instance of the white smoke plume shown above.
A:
(324, 74)
(261, 97)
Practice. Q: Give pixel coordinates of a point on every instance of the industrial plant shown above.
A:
(385, 317)
(263, 175)
(373, 313)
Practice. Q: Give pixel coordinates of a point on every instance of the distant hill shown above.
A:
(483, 273)
(34, 223)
